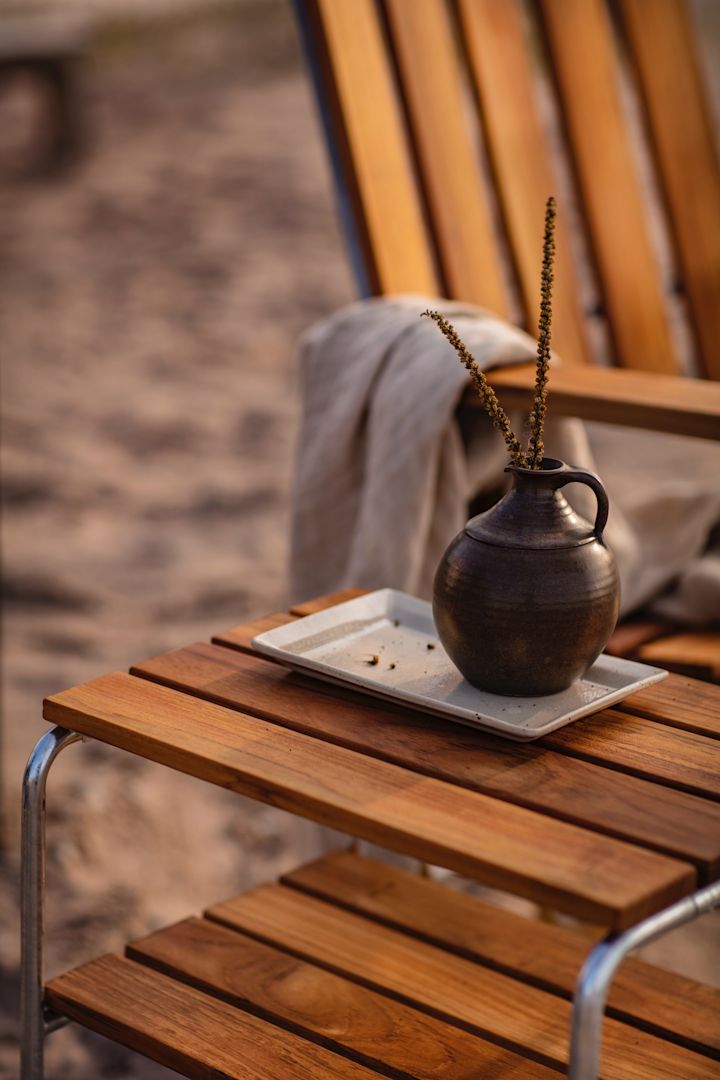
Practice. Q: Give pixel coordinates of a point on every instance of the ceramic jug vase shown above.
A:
(527, 595)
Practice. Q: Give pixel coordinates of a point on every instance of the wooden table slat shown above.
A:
(450, 987)
(319, 1005)
(555, 863)
(634, 745)
(320, 603)
(240, 637)
(665, 820)
(679, 702)
(186, 1030)
(699, 649)
(542, 953)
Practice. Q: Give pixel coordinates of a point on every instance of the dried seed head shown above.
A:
(487, 395)
(536, 447)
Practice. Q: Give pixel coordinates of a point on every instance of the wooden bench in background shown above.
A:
(49, 47)
(436, 116)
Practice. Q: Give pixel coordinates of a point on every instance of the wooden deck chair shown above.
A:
(449, 124)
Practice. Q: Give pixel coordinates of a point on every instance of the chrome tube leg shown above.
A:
(602, 963)
(32, 890)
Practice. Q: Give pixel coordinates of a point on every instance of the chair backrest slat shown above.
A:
(517, 144)
(366, 119)
(579, 36)
(438, 114)
(662, 45)
(449, 166)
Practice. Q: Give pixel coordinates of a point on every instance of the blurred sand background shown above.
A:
(150, 300)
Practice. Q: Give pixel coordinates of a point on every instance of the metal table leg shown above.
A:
(35, 1023)
(602, 963)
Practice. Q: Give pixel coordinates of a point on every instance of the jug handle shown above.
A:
(571, 475)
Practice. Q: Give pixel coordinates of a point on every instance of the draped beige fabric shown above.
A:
(387, 464)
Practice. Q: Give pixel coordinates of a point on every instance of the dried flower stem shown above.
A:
(487, 395)
(536, 447)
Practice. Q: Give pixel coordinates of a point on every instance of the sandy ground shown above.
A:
(150, 301)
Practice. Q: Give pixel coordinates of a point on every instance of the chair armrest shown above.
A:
(669, 403)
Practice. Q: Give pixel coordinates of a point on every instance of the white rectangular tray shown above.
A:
(412, 668)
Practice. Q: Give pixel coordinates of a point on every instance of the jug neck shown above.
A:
(534, 513)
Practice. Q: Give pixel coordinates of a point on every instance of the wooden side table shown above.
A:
(349, 968)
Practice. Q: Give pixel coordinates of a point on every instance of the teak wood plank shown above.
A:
(699, 650)
(681, 129)
(500, 65)
(323, 1007)
(677, 701)
(319, 603)
(240, 637)
(511, 848)
(628, 636)
(656, 752)
(372, 146)
(579, 36)
(186, 1030)
(430, 74)
(668, 403)
(610, 802)
(487, 1003)
(680, 702)
(540, 953)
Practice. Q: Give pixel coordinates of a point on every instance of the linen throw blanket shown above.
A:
(387, 464)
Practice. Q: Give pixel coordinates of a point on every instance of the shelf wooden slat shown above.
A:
(541, 953)
(186, 1030)
(451, 987)
(324, 1007)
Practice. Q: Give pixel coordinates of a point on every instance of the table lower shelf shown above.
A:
(349, 968)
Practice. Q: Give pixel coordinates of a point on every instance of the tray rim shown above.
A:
(409, 699)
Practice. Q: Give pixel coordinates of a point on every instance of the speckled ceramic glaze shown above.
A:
(527, 595)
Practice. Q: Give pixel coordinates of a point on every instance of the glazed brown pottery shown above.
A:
(527, 595)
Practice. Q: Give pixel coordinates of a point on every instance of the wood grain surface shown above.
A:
(430, 74)
(240, 637)
(682, 132)
(541, 953)
(665, 820)
(698, 650)
(373, 150)
(186, 1030)
(667, 403)
(447, 986)
(326, 1008)
(679, 702)
(500, 64)
(320, 603)
(630, 634)
(643, 748)
(509, 847)
(580, 41)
